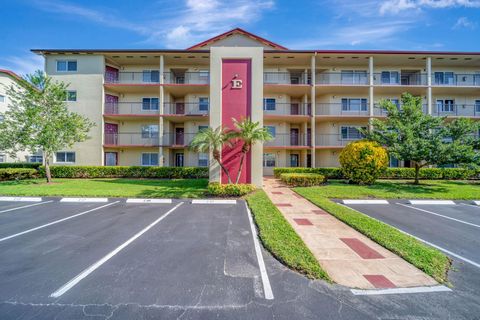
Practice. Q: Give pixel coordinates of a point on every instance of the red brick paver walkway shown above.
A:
(350, 258)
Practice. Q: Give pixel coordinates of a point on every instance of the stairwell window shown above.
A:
(150, 159)
(66, 65)
(65, 157)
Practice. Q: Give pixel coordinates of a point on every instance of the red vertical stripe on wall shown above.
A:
(236, 103)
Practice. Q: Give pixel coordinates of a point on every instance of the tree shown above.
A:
(38, 119)
(212, 140)
(423, 139)
(249, 133)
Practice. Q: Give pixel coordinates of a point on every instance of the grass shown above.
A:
(402, 189)
(429, 260)
(278, 236)
(142, 188)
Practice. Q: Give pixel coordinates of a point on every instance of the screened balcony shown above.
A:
(349, 77)
(272, 108)
(357, 107)
(292, 78)
(289, 140)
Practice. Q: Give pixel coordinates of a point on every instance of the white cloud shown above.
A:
(22, 65)
(397, 6)
(464, 22)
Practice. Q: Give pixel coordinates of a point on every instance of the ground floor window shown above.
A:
(394, 163)
(2, 158)
(269, 159)
(150, 159)
(35, 159)
(65, 157)
(203, 159)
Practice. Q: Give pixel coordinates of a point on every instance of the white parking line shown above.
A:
(365, 202)
(359, 292)
(267, 288)
(211, 201)
(21, 199)
(441, 215)
(477, 202)
(431, 202)
(27, 206)
(92, 200)
(70, 284)
(470, 205)
(149, 201)
(55, 222)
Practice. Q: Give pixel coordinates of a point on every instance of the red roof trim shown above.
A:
(241, 31)
(11, 74)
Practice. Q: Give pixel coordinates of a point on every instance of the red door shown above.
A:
(294, 109)
(179, 136)
(111, 104)
(179, 108)
(111, 74)
(111, 133)
(294, 137)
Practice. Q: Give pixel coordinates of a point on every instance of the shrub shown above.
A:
(126, 172)
(363, 161)
(229, 190)
(302, 179)
(20, 165)
(17, 174)
(328, 173)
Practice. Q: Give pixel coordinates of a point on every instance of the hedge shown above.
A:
(126, 172)
(394, 173)
(17, 174)
(303, 179)
(20, 165)
(229, 190)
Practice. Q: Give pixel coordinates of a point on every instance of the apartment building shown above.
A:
(148, 104)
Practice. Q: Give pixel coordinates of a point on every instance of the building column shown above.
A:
(370, 92)
(429, 85)
(312, 103)
(161, 101)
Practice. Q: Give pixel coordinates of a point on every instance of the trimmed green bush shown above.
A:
(17, 174)
(363, 161)
(20, 165)
(302, 179)
(229, 190)
(328, 173)
(126, 172)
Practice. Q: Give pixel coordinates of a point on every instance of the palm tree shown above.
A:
(249, 133)
(212, 139)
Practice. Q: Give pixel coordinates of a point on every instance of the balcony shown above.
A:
(457, 110)
(148, 139)
(381, 112)
(287, 140)
(186, 108)
(153, 77)
(400, 79)
(187, 78)
(131, 108)
(288, 78)
(450, 79)
(286, 109)
(342, 109)
(334, 140)
(359, 78)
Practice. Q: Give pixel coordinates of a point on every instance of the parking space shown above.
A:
(170, 253)
(452, 228)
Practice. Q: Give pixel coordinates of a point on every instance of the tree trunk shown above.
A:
(417, 173)
(217, 158)
(240, 168)
(47, 169)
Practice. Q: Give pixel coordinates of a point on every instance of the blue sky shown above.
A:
(440, 25)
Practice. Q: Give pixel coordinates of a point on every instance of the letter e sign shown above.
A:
(236, 84)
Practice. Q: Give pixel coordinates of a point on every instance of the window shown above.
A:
(477, 105)
(35, 159)
(272, 130)
(2, 117)
(65, 157)
(149, 159)
(2, 98)
(2, 158)
(390, 77)
(352, 133)
(269, 159)
(353, 77)
(354, 104)
(70, 95)
(203, 159)
(151, 76)
(203, 104)
(444, 78)
(269, 104)
(445, 105)
(203, 73)
(200, 128)
(394, 163)
(150, 131)
(150, 104)
(66, 65)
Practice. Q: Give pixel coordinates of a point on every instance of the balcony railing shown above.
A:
(461, 110)
(285, 78)
(334, 140)
(289, 140)
(457, 79)
(153, 77)
(186, 108)
(140, 108)
(148, 139)
(326, 109)
(293, 108)
(341, 78)
(379, 111)
(411, 79)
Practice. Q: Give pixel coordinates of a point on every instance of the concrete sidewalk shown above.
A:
(350, 258)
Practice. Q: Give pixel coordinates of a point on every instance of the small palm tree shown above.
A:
(212, 139)
(249, 133)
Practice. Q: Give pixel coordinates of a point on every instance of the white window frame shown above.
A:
(271, 100)
(363, 106)
(36, 157)
(150, 159)
(201, 103)
(150, 131)
(150, 104)
(265, 162)
(3, 157)
(203, 157)
(348, 134)
(65, 158)
(66, 61)
(67, 95)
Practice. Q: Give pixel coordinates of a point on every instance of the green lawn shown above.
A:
(401, 189)
(278, 236)
(141, 188)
